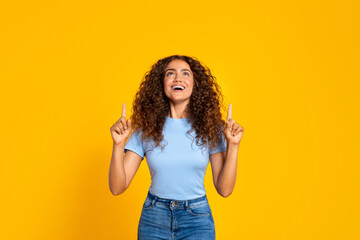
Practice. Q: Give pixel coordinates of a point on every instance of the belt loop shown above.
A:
(153, 201)
(186, 204)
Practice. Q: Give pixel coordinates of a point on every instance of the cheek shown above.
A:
(166, 91)
(165, 84)
(191, 88)
(190, 82)
(191, 85)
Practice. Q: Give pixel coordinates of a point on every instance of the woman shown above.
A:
(178, 102)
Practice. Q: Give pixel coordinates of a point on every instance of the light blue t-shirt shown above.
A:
(177, 171)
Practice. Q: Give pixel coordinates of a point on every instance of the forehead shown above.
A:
(178, 64)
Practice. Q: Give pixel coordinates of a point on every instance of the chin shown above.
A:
(179, 100)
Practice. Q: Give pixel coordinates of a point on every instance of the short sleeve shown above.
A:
(221, 147)
(134, 144)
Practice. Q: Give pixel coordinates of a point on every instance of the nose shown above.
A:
(177, 80)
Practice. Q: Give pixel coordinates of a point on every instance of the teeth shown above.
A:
(181, 87)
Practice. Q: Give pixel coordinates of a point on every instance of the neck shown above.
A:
(178, 110)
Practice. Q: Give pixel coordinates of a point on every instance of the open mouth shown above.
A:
(178, 88)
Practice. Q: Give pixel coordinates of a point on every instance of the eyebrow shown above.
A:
(184, 69)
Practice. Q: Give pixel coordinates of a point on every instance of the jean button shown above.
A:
(173, 204)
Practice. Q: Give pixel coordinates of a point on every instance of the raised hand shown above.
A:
(120, 131)
(233, 131)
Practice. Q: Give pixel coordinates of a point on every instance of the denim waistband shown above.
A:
(153, 198)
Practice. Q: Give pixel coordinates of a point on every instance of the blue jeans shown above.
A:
(172, 219)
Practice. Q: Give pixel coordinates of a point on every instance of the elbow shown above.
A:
(117, 192)
(114, 193)
(225, 194)
(224, 189)
(117, 188)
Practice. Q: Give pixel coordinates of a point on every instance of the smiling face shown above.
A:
(178, 73)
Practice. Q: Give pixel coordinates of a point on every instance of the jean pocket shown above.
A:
(201, 210)
(147, 204)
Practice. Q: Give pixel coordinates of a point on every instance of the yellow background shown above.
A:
(290, 69)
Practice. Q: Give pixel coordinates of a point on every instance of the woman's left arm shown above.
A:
(224, 165)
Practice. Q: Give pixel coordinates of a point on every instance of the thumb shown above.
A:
(128, 123)
(227, 126)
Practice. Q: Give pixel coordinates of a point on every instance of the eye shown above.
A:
(187, 73)
(168, 73)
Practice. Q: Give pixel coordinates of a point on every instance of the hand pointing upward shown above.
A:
(233, 131)
(229, 113)
(120, 131)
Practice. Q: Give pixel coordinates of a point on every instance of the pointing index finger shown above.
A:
(229, 112)
(123, 110)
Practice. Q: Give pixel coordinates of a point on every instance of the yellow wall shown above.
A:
(290, 69)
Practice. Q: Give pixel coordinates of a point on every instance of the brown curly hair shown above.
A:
(151, 106)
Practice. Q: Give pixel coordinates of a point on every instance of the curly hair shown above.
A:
(151, 105)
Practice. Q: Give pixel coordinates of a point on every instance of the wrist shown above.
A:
(119, 145)
(233, 145)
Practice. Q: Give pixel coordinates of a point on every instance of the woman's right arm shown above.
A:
(122, 168)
